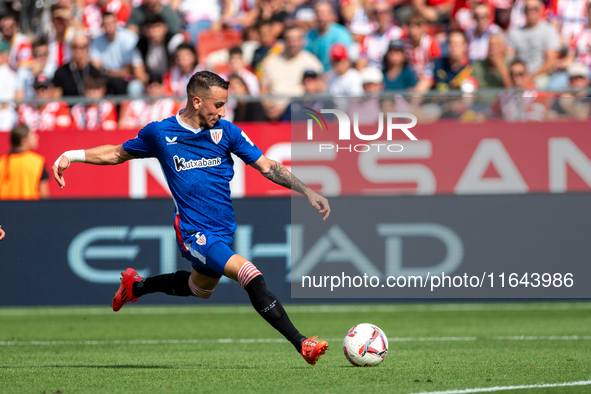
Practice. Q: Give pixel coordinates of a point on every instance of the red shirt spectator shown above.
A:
(102, 115)
(421, 48)
(569, 16)
(47, 117)
(375, 46)
(92, 15)
(176, 79)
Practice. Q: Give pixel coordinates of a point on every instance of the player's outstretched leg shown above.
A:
(269, 307)
(178, 283)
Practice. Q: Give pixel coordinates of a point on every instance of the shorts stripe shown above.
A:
(247, 273)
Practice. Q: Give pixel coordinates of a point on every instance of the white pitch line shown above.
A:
(507, 388)
(279, 340)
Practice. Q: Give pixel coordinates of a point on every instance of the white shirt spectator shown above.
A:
(375, 46)
(478, 45)
(347, 84)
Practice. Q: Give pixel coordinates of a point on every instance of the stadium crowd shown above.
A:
(539, 52)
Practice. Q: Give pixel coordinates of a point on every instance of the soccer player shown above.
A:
(2, 233)
(194, 149)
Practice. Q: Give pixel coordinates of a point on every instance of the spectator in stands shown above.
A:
(68, 79)
(342, 79)
(537, 43)
(91, 19)
(576, 103)
(267, 45)
(244, 111)
(328, 32)
(7, 93)
(205, 15)
(47, 116)
(434, 11)
(524, 103)
(569, 17)
(282, 74)
(272, 11)
(237, 67)
(22, 172)
(113, 54)
(421, 48)
(304, 16)
(157, 44)
(449, 72)
(137, 113)
(186, 64)
(25, 76)
(376, 44)
(59, 40)
(397, 73)
(355, 16)
(368, 107)
(21, 51)
(313, 84)
(101, 114)
(493, 72)
(479, 34)
(140, 15)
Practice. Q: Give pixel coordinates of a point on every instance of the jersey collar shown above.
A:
(186, 126)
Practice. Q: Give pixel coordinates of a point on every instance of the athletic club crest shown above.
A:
(201, 240)
(216, 135)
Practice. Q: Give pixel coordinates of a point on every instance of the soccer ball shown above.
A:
(365, 345)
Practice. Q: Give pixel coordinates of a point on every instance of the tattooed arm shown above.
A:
(278, 174)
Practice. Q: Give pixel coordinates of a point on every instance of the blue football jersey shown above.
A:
(198, 168)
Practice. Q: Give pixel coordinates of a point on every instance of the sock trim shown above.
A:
(247, 273)
(198, 291)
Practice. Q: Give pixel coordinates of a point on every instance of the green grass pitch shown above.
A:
(223, 349)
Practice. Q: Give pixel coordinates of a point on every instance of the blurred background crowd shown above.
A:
(108, 64)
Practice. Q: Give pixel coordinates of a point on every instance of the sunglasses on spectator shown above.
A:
(480, 16)
(79, 46)
(528, 9)
(40, 54)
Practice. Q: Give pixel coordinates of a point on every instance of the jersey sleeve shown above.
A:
(144, 145)
(242, 146)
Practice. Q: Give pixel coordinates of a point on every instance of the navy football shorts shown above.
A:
(209, 253)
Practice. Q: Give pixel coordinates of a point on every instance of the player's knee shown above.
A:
(247, 273)
(198, 291)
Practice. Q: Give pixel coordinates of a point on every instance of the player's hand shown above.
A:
(58, 171)
(320, 203)
(2, 233)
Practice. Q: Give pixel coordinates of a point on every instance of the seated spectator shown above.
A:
(177, 78)
(137, 113)
(244, 111)
(272, 11)
(524, 103)
(157, 45)
(537, 44)
(100, 115)
(434, 11)
(23, 172)
(449, 72)
(68, 79)
(304, 17)
(493, 71)
(328, 32)
(569, 17)
(237, 67)
(397, 73)
(21, 51)
(368, 108)
(355, 16)
(7, 76)
(342, 79)
(313, 84)
(50, 116)
(268, 46)
(113, 54)
(376, 44)
(140, 15)
(25, 76)
(575, 104)
(59, 40)
(479, 34)
(282, 74)
(421, 48)
(92, 15)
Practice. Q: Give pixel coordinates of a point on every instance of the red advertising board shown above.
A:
(448, 158)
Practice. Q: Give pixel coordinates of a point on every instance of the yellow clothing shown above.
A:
(20, 174)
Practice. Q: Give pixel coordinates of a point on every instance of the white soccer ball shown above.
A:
(365, 345)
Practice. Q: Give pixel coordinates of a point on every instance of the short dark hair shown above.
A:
(202, 82)
(39, 42)
(518, 61)
(152, 19)
(18, 134)
(10, 15)
(417, 17)
(106, 14)
(91, 82)
(457, 31)
(235, 51)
